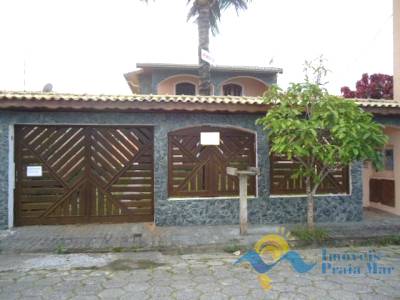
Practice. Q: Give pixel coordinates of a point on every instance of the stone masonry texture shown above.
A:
(262, 209)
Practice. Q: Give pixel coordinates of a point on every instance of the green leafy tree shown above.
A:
(207, 14)
(321, 132)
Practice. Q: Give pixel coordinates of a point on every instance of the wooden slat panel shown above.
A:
(282, 183)
(106, 174)
(200, 171)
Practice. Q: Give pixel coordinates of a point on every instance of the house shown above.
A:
(151, 157)
(382, 188)
(396, 48)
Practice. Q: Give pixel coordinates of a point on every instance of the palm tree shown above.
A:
(207, 14)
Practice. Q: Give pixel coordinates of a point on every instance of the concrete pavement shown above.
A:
(146, 236)
(152, 275)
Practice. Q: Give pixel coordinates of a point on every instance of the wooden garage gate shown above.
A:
(83, 174)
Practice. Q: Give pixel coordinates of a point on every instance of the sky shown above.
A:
(87, 46)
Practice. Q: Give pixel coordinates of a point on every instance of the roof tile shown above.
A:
(221, 100)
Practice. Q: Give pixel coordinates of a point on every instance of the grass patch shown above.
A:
(389, 240)
(117, 249)
(309, 236)
(60, 249)
(382, 241)
(128, 265)
(233, 247)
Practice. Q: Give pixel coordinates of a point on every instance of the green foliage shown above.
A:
(314, 235)
(60, 249)
(389, 240)
(319, 130)
(117, 249)
(233, 247)
(315, 70)
(215, 9)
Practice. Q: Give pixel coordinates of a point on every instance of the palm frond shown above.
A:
(216, 7)
(237, 4)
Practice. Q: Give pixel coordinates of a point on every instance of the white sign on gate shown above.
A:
(209, 138)
(34, 171)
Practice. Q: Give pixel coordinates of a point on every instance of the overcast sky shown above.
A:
(86, 46)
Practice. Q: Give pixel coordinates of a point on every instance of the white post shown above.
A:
(243, 175)
(243, 203)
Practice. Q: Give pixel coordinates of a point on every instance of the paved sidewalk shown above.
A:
(145, 236)
(153, 275)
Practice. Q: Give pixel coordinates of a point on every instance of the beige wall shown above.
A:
(167, 86)
(250, 87)
(368, 173)
(396, 44)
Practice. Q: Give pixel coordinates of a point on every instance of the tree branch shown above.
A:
(324, 172)
(301, 161)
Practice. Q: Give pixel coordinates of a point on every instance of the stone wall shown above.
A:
(263, 209)
(4, 174)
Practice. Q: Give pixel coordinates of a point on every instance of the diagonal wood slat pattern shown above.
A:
(90, 174)
(195, 170)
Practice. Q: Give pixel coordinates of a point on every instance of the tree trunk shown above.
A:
(203, 24)
(310, 204)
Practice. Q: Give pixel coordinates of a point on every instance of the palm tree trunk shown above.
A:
(203, 24)
(310, 204)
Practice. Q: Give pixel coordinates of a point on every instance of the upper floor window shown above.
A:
(232, 89)
(185, 88)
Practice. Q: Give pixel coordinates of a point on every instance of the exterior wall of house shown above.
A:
(396, 45)
(149, 83)
(251, 87)
(392, 130)
(145, 84)
(262, 209)
(167, 86)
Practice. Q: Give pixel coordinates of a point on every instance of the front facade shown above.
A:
(396, 49)
(89, 159)
(382, 188)
(176, 79)
(162, 156)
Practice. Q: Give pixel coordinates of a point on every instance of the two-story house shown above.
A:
(180, 79)
(160, 154)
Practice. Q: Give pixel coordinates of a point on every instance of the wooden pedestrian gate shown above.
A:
(195, 170)
(83, 174)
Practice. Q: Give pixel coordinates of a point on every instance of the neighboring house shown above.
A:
(396, 46)
(176, 79)
(95, 158)
(382, 188)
